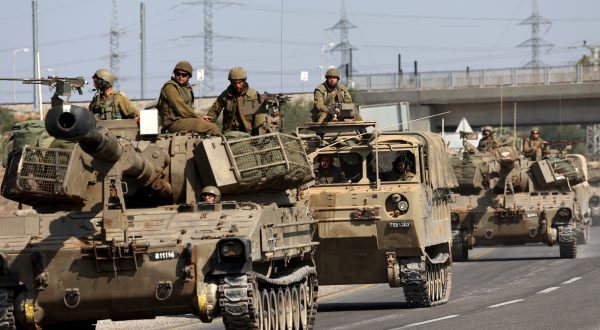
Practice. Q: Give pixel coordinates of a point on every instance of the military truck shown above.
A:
(118, 229)
(373, 228)
(507, 199)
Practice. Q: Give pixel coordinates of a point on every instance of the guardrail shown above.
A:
(575, 74)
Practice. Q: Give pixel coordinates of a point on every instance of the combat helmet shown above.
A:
(105, 75)
(487, 128)
(333, 72)
(184, 66)
(212, 190)
(237, 73)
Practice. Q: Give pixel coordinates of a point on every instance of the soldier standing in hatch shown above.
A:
(108, 103)
(534, 145)
(329, 93)
(176, 104)
(239, 104)
(487, 143)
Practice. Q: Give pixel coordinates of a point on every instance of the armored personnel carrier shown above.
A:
(119, 230)
(508, 199)
(377, 225)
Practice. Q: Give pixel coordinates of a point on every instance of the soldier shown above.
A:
(327, 172)
(534, 145)
(239, 104)
(401, 170)
(176, 104)
(108, 103)
(210, 194)
(509, 171)
(487, 143)
(327, 94)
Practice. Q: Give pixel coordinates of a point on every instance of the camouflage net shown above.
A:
(270, 162)
(42, 171)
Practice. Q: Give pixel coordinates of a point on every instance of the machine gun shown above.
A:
(62, 86)
(271, 105)
(341, 111)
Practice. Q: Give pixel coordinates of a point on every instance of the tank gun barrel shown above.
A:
(79, 125)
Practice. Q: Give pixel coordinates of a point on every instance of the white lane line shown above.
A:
(571, 280)
(550, 289)
(428, 321)
(506, 303)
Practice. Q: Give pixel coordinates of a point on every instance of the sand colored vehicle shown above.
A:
(377, 225)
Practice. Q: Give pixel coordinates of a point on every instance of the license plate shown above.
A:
(163, 255)
(399, 224)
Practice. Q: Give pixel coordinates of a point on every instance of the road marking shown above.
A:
(571, 280)
(429, 321)
(550, 289)
(506, 303)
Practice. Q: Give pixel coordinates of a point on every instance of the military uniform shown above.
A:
(332, 174)
(324, 97)
(175, 105)
(533, 148)
(397, 176)
(114, 106)
(487, 143)
(239, 112)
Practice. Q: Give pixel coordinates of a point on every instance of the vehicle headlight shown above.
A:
(231, 248)
(403, 206)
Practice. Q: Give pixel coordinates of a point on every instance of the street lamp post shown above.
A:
(322, 65)
(14, 69)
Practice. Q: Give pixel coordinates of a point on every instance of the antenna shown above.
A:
(535, 42)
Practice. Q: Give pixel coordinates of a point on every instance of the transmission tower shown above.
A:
(535, 42)
(114, 42)
(344, 46)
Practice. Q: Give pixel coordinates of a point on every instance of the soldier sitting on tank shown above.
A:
(327, 95)
(509, 172)
(108, 103)
(210, 194)
(240, 105)
(328, 172)
(487, 143)
(176, 104)
(534, 145)
(401, 170)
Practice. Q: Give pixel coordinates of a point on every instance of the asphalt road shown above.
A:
(521, 287)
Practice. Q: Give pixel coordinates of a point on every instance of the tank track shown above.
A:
(239, 302)
(567, 242)
(426, 282)
(7, 317)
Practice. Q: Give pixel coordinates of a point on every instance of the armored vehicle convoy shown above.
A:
(119, 230)
(506, 199)
(377, 224)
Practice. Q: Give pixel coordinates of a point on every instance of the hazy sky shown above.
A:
(441, 35)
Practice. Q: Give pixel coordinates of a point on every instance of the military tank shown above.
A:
(373, 228)
(118, 229)
(507, 199)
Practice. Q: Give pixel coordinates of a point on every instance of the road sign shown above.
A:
(200, 74)
(304, 75)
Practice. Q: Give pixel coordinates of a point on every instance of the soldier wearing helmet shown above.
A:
(176, 104)
(108, 103)
(210, 194)
(329, 93)
(487, 143)
(240, 106)
(533, 145)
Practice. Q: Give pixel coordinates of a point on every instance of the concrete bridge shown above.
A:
(544, 96)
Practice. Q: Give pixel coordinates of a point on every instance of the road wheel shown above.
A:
(567, 241)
